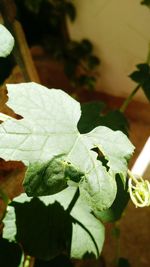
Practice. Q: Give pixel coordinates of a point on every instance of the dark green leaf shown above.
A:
(86, 46)
(141, 74)
(93, 62)
(92, 117)
(70, 11)
(115, 211)
(61, 260)
(142, 77)
(146, 3)
(115, 120)
(87, 81)
(122, 262)
(51, 177)
(70, 68)
(33, 6)
(10, 253)
(43, 231)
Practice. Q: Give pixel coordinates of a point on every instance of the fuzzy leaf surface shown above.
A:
(6, 41)
(49, 129)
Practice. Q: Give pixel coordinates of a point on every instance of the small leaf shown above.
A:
(142, 77)
(87, 81)
(93, 62)
(122, 262)
(70, 11)
(33, 6)
(86, 46)
(146, 3)
(6, 41)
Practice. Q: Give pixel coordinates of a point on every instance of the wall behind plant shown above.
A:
(120, 32)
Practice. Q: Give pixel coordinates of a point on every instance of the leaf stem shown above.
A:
(28, 261)
(129, 99)
(73, 201)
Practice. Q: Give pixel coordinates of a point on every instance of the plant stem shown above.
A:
(28, 261)
(129, 99)
(73, 201)
(21, 51)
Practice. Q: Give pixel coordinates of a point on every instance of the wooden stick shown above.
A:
(25, 53)
(21, 50)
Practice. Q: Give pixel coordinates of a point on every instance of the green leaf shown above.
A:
(87, 81)
(10, 253)
(146, 3)
(9, 230)
(115, 120)
(86, 46)
(70, 11)
(43, 231)
(92, 116)
(142, 77)
(122, 262)
(6, 41)
(33, 6)
(49, 129)
(114, 213)
(49, 225)
(51, 177)
(93, 62)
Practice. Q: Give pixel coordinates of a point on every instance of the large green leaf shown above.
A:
(43, 226)
(49, 129)
(6, 41)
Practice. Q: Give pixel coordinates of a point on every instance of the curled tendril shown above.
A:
(139, 190)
